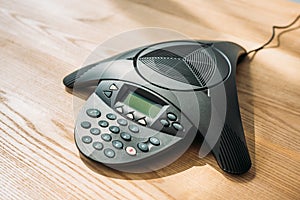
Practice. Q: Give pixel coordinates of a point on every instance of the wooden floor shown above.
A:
(42, 41)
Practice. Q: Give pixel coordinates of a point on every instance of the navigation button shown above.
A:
(177, 126)
(107, 94)
(95, 131)
(113, 87)
(119, 109)
(165, 122)
(103, 123)
(142, 121)
(143, 147)
(171, 116)
(130, 115)
(131, 150)
(94, 113)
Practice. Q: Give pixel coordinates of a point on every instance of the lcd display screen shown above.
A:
(142, 104)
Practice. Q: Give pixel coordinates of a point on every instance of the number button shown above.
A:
(95, 131)
(86, 125)
(117, 144)
(114, 129)
(103, 123)
(86, 139)
(125, 136)
(164, 122)
(111, 116)
(177, 126)
(98, 145)
(109, 153)
(106, 137)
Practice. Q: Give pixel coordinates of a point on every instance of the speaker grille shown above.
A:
(233, 155)
(192, 64)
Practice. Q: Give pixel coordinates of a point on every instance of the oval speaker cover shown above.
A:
(182, 65)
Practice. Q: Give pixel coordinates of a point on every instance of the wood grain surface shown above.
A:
(42, 41)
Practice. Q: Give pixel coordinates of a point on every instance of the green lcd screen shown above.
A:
(142, 104)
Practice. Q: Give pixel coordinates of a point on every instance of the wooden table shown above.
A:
(42, 41)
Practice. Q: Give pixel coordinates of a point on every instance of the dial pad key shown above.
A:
(117, 144)
(106, 137)
(143, 147)
(86, 124)
(114, 129)
(133, 128)
(94, 113)
(86, 139)
(109, 153)
(122, 122)
(98, 145)
(125, 136)
(103, 123)
(95, 131)
(111, 116)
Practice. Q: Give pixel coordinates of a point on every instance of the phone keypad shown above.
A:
(113, 133)
(114, 137)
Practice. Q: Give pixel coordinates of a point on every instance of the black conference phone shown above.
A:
(150, 102)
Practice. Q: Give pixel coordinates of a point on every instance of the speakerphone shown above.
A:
(151, 102)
